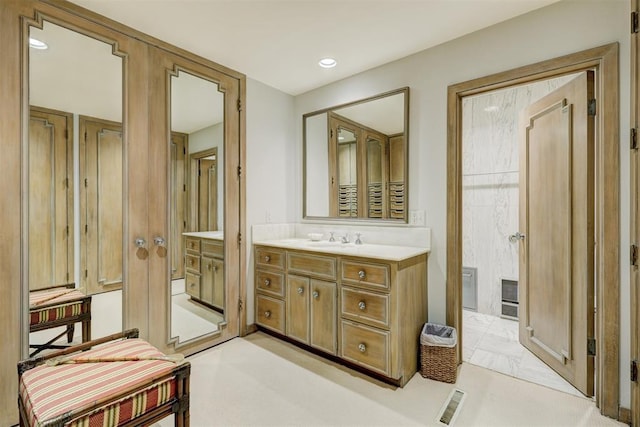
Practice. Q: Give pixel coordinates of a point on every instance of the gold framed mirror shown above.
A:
(355, 160)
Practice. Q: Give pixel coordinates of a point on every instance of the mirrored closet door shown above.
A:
(75, 185)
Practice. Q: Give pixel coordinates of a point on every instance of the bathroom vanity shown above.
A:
(204, 267)
(361, 305)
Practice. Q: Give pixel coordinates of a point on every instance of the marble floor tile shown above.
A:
(493, 343)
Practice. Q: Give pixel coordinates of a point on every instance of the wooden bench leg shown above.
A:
(70, 330)
(86, 330)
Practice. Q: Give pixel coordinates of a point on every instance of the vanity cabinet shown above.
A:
(270, 288)
(366, 313)
(204, 271)
(311, 300)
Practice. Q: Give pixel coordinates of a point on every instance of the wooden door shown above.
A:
(179, 144)
(556, 217)
(50, 198)
(101, 205)
(298, 308)
(323, 316)
(207, 195)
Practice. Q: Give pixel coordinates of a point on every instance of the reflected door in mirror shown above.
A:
(50, 198)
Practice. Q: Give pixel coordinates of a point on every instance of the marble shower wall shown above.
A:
(490, 185)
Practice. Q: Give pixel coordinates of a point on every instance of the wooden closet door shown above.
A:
(50, 198)
(101, 208)
(179, 149)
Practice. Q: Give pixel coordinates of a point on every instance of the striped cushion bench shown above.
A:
(97, 388)
(59, 306)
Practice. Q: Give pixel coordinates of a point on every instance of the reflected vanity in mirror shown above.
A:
(197, 207)
(75, 175)
(355, 159)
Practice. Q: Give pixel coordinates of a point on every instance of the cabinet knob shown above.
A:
(267, 282)
(209, 267)
(316, 294)
(267, 258)
(267, 314)
(140, 242)
(362, 347)
(300, 290)
(361, 274)
(362, 305)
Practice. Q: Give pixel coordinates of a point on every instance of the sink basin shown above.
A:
(324, 244)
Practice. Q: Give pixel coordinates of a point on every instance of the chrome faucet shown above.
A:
(332, 239)
(358, 241)
(345, 238)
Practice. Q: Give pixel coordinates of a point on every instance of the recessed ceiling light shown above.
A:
(327, 63)
(37, 44)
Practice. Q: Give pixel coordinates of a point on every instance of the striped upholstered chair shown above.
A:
(59, 306)
(119, 380)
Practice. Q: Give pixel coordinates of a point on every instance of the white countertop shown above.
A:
(215, 235)
(376, 251)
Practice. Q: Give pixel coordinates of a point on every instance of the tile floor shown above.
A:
(259, 380)
(492, 342)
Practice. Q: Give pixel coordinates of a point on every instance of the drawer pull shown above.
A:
(267, 282)
(362, 305)
(192, 284)
(209, 267)
(267, 258)
(316, 294)
(362, 347)
(361, 274)
(267, 314)
(190, 261)
(300, 290)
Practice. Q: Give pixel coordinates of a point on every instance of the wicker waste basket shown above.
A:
(439, 353)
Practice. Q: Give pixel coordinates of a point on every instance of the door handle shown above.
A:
(140, 242)
(515, 237)
(159, 241)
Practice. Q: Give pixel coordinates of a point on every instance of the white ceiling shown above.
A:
(279, 42)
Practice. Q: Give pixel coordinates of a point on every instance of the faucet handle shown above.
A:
(331, 238)
(358, 241)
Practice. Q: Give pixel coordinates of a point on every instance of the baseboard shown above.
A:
(251, 329)
(624, 415)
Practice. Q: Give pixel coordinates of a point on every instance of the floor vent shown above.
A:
(450, 411)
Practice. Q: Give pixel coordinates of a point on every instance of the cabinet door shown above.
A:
(323, 316)
(218, 282)
(298, 308)
(207, 283)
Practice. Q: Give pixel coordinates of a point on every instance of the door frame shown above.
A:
(604, 61)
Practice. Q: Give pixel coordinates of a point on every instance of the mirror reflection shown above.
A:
(355, 161)
(197, 206)
(75, 203)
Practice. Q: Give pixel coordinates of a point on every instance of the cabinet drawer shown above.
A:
(192, 244)
(192, 262)
(364, 274)
(270, 282)
(268, 257)
(366, 346)
(213, 248)
(192, 285)
(314, 265)
(365, 307)
(270, 313)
